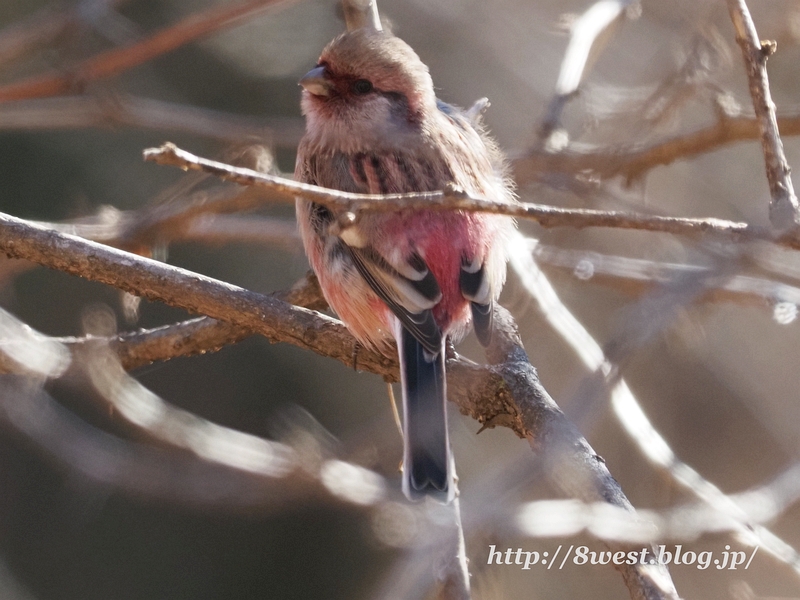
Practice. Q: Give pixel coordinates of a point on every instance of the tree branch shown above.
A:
(633, 161)
(454, 199)
(180, 288)
(571, 463)
(784, 210)
(113, 62)
(75, 112)
(508, 392)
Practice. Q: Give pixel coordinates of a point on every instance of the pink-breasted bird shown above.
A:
(375, 126)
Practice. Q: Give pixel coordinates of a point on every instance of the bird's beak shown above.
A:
(314, 82)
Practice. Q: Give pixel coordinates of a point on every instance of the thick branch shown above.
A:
(784, 210)
(571, 463)
(508, 393)
(177, 287)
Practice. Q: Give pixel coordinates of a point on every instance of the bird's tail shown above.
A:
(426, 457)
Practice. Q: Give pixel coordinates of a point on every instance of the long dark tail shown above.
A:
(426, 458)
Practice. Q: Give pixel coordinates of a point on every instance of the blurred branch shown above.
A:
(589, 35)
(75, 112)
(634, 420)
(47, 24)
(121, 400)
(225, 229)
(784, 210)
(238, 471)
(113, 62)
(455, 583)
(351, 204)
(175, 219)
(634, 161)
(637, 276)
(736, 513)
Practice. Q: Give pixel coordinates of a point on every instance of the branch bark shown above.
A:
(570, 462)
(784, 210)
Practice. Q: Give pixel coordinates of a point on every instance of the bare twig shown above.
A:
(453, 199)
(784, 210)
(74, 112)
(633, 161)
(114, 62)
(195, 336)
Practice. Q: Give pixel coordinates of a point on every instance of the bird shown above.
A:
(416, 276)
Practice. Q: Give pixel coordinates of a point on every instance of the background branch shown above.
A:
(633, 162)
(113, 62)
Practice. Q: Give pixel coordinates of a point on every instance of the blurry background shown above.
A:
(719, 378)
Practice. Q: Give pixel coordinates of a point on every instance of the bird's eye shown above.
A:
(362, 86)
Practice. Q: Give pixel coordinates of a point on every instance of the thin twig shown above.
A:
(195, 336)
(113, 62)
(454, 199)
(784, 210)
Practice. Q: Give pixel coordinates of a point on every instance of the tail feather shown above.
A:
(426, 459)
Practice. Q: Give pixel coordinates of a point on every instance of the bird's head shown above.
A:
(368, 88)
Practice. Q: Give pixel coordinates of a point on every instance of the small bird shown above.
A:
(375, 126)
